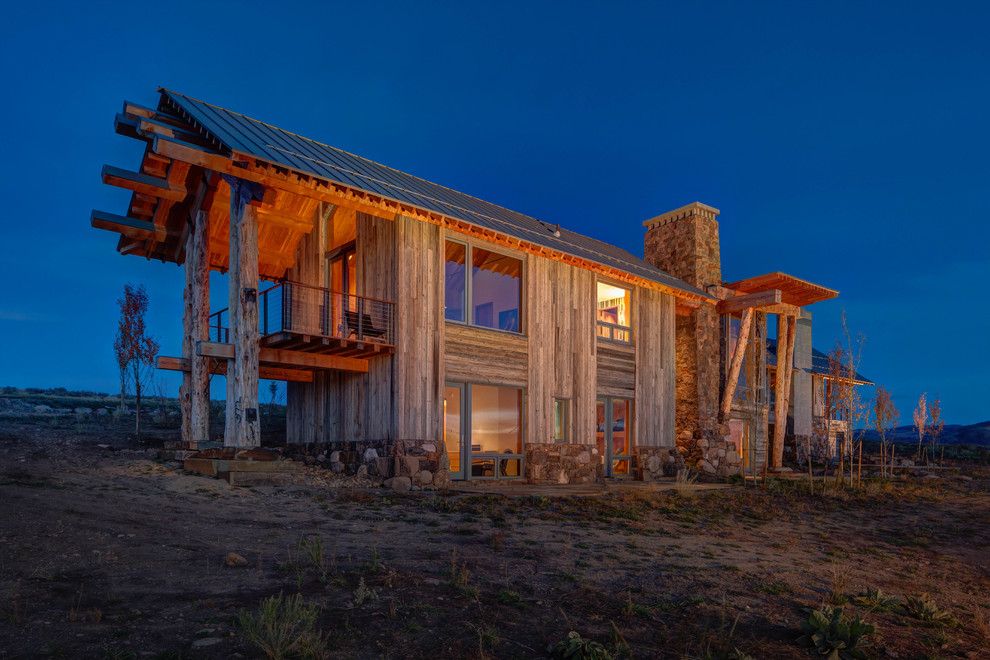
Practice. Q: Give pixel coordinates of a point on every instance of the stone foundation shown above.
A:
(419, 461)
(562, 464)
(653, 463)
(710, 453)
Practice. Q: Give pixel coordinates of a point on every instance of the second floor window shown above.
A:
(488, 294)
(614, 313)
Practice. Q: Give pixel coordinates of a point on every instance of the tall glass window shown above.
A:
(455, 281)
(489, 294)
(561, 420)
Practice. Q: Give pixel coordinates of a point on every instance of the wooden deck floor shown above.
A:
(338, 346)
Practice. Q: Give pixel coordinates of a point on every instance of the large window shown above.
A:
(614, 313)
(483, 430)
(489, 294)
(561, 420)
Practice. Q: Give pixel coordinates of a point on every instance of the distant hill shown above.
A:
(954, 434)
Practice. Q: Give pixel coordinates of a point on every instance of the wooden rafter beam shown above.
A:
(143, 183)
(219, 367)
(284, 358)
(127, 226)
(750, 301)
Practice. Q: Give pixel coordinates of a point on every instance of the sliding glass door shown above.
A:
(483, 430)
(614, 435)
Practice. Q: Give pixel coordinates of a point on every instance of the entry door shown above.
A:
(614, 435)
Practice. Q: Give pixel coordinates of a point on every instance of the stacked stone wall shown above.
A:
(562, 463)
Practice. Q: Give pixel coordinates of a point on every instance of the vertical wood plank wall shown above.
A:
(560, 313)
(419, 330)
(655, 370)
(402, 396)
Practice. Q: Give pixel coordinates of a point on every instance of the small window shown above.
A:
(561, 421)
(614, 313)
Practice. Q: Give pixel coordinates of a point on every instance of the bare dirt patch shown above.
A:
(109, 553)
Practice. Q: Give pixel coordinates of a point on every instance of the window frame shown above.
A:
(467, 451)
(613, 327)
(469, 286)
(566, 429)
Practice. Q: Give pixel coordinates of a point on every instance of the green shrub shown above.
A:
(876, 600)
(925, 609)
(283, 627)
(575, 647)
(832, 634)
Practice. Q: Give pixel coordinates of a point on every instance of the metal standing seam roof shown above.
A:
(239, 133)
(819, 362)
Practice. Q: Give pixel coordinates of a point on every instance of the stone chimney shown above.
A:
(684, 243)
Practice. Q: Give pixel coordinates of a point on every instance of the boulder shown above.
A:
(235, 560)
(425, 478)
(362, 471)
(42, 410)
(370, 454)
(335, 457)
(707, 467)
(399, 484)
(429, 447)
(653, 463)
(584, 457)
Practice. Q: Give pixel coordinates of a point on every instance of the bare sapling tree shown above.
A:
(136, 350)
(935, 427)
(885, 416)
(121, 356)
(849, 406)
(273, 392)
(920, 418)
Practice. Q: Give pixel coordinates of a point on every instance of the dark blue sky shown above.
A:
(844, 143)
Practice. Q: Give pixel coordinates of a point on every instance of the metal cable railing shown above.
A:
(308, 310)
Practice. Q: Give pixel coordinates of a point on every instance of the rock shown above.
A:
(705, 466)
(425, 478)
(370, 454)
(399, 484)
(206, 641)
(337, 467)
(362, 471)
(429, 447)
(235, 560)
(583, 458)
(335, 457)
(720, 452)
(321, 457)
(441, 478)
(42, 410)
(411, 465)
(930, 475)
(653, 463)
(101, 412)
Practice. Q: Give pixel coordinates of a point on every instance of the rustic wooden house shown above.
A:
(428, 333)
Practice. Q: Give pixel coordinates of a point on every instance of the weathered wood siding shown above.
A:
(419, 330)
(616, 367)
(477, 355)
(305, 403)
(655, 371)
(560, 313)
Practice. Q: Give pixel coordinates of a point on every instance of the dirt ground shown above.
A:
(107, 552)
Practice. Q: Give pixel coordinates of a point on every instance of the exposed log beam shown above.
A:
(143, 183)
(277, 357)
(736, 365)
(130, 227)
(749, 301)
(783, 309)
(219, 367)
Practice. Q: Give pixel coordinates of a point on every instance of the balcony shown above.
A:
(299, 317)
(620, 334)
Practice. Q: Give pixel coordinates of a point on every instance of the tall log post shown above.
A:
(198, 263)
(736, 365)
(780, 397)
(188, 346)
(242, 426)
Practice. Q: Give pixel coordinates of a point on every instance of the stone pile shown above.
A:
(562, 464)
(653, 463)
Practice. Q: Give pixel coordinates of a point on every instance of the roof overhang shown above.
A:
(793, 290)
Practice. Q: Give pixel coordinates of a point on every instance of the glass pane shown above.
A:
(351, 273)
(452, 426)
(620, 467)
(496, 419)
(454, 281)
(482, 467)
(509, 467)
(600, 428)
(496, 283)
(614, 306)
(561, 412)
(620, 427)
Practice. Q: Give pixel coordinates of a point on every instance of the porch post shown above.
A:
(188, 345)
(780, 381)
(736, 365)
(243, 426)
(198, 264)
(785, 365)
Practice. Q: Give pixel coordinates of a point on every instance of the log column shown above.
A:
(243, 426)
(198, 277)
(782, 385)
